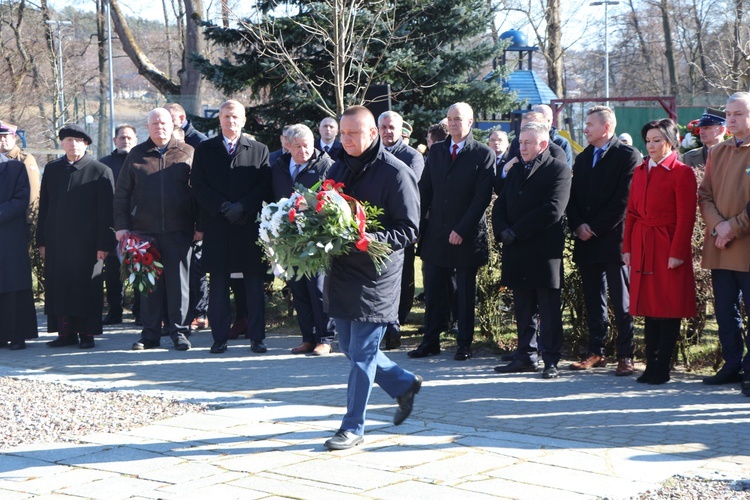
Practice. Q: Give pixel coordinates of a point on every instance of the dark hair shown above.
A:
(125, 125)
(438, 132)
(666, 127)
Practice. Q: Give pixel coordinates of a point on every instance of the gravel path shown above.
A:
(39, 412)
(695, 488)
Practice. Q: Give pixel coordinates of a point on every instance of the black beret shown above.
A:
(73, 130)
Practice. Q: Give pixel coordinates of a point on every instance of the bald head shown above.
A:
(358, 130)
(545, 110)
(535, 117)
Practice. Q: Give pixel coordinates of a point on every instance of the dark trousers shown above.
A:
(406, 300)
(220, 312)
(728, 287)
(548, 338)
(237, 286)
(307, 296)
(113, 283)
(172, 288)
(597, 278)
(437, 285)
(198, 284)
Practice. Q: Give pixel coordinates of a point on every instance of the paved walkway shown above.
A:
(473, 433)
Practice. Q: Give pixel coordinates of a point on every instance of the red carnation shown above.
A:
(362, 244)
(319, 206)
(137, 257)
(292, 214)
(148, 259)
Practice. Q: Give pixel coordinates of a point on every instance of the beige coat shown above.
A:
(35, 179)
(723, 195)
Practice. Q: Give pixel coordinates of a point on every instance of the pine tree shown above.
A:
(432, 52)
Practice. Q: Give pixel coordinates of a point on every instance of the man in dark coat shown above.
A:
(596, 213)
(528, 218)
(74, 237)
(16, 295)
(361, 299)
(455, 190)
(231, 179)
(305, 165)
(554, 135)
(198, 281)
(125, 138)
(153, 198)
(390, 127)
(329, 129)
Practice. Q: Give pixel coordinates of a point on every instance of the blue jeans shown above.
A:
(360, 342)
(728, 285)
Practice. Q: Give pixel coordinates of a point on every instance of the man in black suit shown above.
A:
(455, 190)
(390, 128)
(231, 179)
(528, 218)
(596, 213)
(329, 129)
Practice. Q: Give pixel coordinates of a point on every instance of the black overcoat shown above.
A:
(533, 207)
(15, 266)
(456, 194)
(599, 198)
(218, 178)
(281, 178)
(75, 221)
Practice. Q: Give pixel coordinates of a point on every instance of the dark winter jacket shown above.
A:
(153, 191)
(281, 178)
(15, 267)
(410, 156)
(114, 161)
(192, 136)
(353, 288)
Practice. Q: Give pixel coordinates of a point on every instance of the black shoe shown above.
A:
(87, 341)
(462, 354)
(343, 440)
(392, 338)
(745, 382)
(724, 376)
(550, 372)
(181, 343)
(260, 348)
(146, 344)
(63, 341)
(423, 351)
(406, 401)
(218, 347)
(17, 346)
(658, 379)
(517, 366)
(112, 318)
(508, 357)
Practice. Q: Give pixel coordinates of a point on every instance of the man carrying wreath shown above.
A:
(362, 300)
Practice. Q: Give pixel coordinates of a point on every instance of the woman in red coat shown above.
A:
(657, 246)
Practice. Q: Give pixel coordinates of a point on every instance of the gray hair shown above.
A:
(391, 115)
(462, 106)
(545, 110)
(740, 96)
(298, 131)
(607, 115)
(500, 133)
(158, 111)
(540, 129)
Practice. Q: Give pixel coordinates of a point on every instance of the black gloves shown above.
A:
(234, 212)
(507, 236)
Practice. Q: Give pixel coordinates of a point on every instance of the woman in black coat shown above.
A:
(16, 298)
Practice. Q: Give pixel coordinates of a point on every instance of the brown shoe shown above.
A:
(592, 361)
(322, 349)
(304, 348)
(624, 367)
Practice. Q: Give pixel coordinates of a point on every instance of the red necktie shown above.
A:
(454, 153)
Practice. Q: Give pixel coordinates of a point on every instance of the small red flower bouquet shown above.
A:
(140, 263)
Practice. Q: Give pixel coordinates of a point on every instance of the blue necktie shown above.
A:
(598, 152)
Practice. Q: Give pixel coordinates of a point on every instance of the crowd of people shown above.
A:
(196, 199)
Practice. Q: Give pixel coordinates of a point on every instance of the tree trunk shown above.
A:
(103, 139)
(669, 48)
(190, 77)
(146, 68)
(554, 51)
(168, 38)
(702, 64)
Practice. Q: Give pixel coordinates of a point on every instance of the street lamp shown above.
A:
(606, 4)
(60, 67)
(111, 76)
